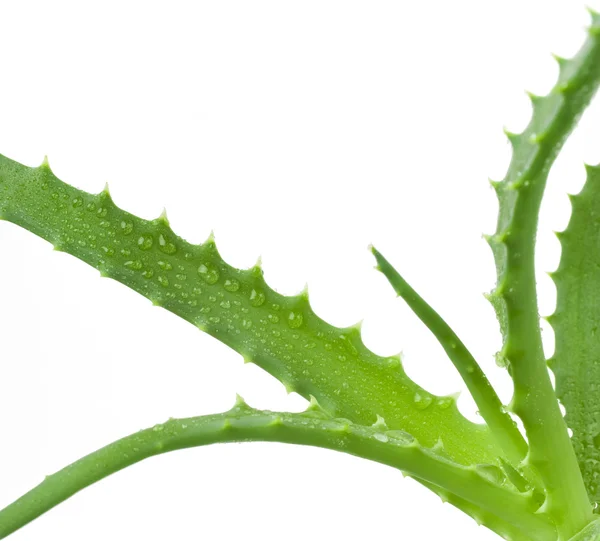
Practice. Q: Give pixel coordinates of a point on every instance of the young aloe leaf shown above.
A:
(576, 324)
(490, 406)
(280, 334)
(515, 300)
(478, 486)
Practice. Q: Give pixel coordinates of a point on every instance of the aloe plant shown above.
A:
(539, 486)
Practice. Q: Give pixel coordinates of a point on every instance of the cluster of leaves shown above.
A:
(542, 488)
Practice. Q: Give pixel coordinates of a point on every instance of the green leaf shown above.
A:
(589, 533)
(281, 334)
(474, 486)
(489, 405)
(576, 323)
(515, 297)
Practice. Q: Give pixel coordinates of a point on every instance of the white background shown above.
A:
(299, 131)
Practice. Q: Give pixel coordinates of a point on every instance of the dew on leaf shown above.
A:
(126, 227)
(246, 323)
(209, 273)
(77, 202)
(165, 245)
(422, 401)
(145, 242)
(231, 284)
(163, 281)
(165, 265)
(400, 437)
(381, 437)
(294, 320)
(136, 264)
(257, 297)
(444, 403)
(490, 472)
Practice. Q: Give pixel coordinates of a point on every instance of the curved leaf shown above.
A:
(281, 334)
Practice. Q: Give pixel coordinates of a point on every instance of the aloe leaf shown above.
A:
(515, 299)
(589, 533)
(490, 406)
(479, 515)
(481, 486)
(576, 323)
(280, 334)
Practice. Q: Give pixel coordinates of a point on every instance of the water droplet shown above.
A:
(108, 250)
(246, 323)
(134, 265)
(166, 245)
(214, 319)
(294, 320)
(101, 212)
(145, 242)
(125, 252)
(490, 472)
(501, 360)
(209, 273)
(163, 281)
(181, 277)
(231, 284)
(165, 265)
(444, 402)
(148, 273)
(225, 304)
(381, 437)
(77, 202)
(91, 207)
(422, 401)
(257, 297)
(126, 227)
(273, 318)
(400, 437)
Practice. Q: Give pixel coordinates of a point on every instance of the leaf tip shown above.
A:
(314, 405)
(380, 423)
(45, 163)
(240, 404)
(163, 219)
(534, 98)
(560, 60)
